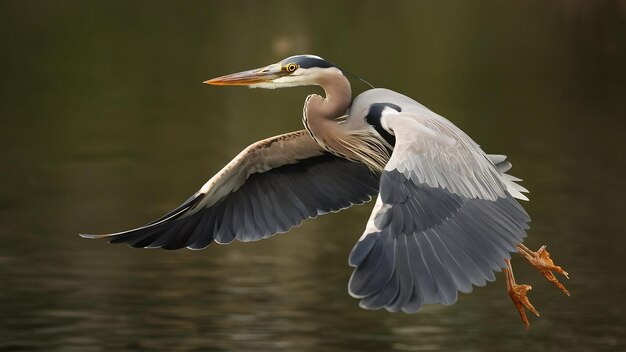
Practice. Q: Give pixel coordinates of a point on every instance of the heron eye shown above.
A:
(290, 68)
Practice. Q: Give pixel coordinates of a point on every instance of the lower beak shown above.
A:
(244, 78)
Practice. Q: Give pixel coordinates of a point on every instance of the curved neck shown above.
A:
(338, 97)
(320, 113)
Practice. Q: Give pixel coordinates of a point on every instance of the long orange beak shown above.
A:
(245, 78)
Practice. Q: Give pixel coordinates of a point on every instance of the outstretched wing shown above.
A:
(270, 187)
(445, 218)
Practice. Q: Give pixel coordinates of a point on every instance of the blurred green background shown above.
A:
(106, 125)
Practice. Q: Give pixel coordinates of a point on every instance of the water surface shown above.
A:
(105, 126)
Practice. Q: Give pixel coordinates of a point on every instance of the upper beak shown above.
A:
(259, 75)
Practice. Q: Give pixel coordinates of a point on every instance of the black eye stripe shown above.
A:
(308, 62)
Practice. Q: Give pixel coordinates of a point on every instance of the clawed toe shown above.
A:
(541, 261)
(518, 295)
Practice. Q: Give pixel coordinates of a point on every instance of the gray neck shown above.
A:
(321, 113)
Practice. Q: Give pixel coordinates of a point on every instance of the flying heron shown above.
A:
(445, 219)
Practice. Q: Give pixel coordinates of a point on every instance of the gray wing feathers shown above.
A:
(436, 153)
(444, 221)
(449, 244)
(263, 191)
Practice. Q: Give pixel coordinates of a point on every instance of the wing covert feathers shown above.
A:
(444, 221)
(269, 188)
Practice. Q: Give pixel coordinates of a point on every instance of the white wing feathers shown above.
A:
(435, 152)
(503, 166)
(431, 150)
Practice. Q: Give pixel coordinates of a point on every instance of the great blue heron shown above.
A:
(445, 218)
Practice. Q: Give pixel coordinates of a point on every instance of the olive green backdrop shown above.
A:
(105, 125)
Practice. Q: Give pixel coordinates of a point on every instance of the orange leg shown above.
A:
(542, 262)
(518, 294)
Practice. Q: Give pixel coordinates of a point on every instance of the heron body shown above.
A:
(445, 219)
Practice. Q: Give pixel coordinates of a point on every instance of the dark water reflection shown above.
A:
(105, 125)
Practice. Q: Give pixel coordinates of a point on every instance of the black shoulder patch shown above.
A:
(377, 108)
(373, 118)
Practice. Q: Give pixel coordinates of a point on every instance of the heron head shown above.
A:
(298, 70)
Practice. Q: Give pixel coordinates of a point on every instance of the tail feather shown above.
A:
(503, 166)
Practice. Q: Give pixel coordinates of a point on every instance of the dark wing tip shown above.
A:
(269, 202)
(145, 236)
